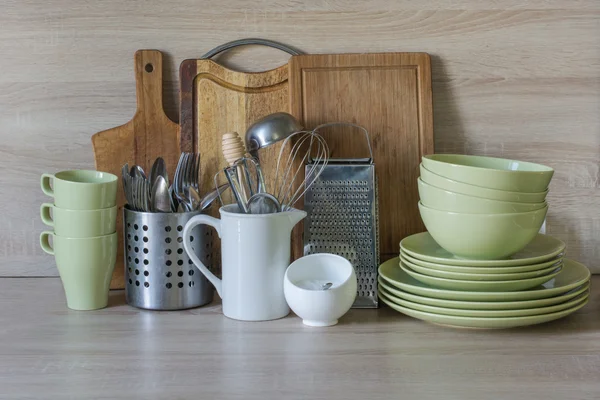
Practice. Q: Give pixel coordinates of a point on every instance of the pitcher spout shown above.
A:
(294, 216)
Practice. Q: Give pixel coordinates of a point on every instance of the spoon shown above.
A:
(159, 168)
(326, 286)
(208, 199)
(161, 200)
(193, 197)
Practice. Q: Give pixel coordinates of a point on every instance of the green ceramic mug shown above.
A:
(85, 266)
(81, 189)
(79, 223)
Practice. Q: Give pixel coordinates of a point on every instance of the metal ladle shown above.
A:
(269, 130)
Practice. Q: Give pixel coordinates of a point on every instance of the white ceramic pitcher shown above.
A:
(255, 252)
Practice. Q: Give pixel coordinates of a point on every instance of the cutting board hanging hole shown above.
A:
(149, 67)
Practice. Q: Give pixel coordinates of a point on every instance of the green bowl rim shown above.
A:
(546, 170)
(485, 214)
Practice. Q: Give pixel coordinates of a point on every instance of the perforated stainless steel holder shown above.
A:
(158, 273)
(343, 218)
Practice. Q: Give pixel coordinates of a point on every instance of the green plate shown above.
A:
(556, 261)
(571, 276)
(480, 286)
(541, 248)
(476, 276)
(481, 322)
(484, 313)
(484, 305)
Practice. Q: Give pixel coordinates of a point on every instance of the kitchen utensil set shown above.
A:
(481, 264)
(245, 176)
(84, 240)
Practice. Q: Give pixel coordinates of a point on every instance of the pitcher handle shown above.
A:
(187, 245)
(45, 214)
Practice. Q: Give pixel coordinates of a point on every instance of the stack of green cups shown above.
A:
(84, 238)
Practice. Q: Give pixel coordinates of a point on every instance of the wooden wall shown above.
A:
(512, 78)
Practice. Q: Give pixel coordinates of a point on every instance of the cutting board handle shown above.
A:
(244, 42)
(149, 81)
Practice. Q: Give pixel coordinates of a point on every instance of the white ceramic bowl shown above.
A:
(302, 288)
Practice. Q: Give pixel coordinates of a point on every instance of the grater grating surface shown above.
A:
(343, 219)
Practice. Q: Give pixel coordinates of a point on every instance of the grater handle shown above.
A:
(370, 160)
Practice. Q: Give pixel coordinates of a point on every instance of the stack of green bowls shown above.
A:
(482, 207)
(483, 262)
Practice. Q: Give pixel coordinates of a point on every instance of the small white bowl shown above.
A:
(302, 288)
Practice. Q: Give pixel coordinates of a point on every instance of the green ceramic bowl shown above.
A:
(491, 172)
(482, 236)
(445, 200)
(486, 193)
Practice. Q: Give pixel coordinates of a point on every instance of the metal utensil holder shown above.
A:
(158, 273)
(343, 218)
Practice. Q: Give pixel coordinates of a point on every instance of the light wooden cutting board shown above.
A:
(216, 100)
(150, 134)
(390, 95)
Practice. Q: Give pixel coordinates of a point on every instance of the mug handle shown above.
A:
(45, 242)
(187, 245)
(45, 214)
(46, 188)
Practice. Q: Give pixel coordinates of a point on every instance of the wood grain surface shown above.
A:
(518, 79)
(150, 134)
(50, 352)
(389, 94)
(222, 101)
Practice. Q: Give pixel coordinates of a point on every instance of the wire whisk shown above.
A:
(290, 182)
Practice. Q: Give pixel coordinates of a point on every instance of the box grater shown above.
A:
(343, 217)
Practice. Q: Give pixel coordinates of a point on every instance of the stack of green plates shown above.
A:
(533, 286)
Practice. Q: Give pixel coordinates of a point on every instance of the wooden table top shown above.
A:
(50, 352)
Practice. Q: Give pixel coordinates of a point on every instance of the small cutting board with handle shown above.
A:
(390, 95)
(150, 134)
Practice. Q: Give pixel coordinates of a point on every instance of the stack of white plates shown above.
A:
(533, 286)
